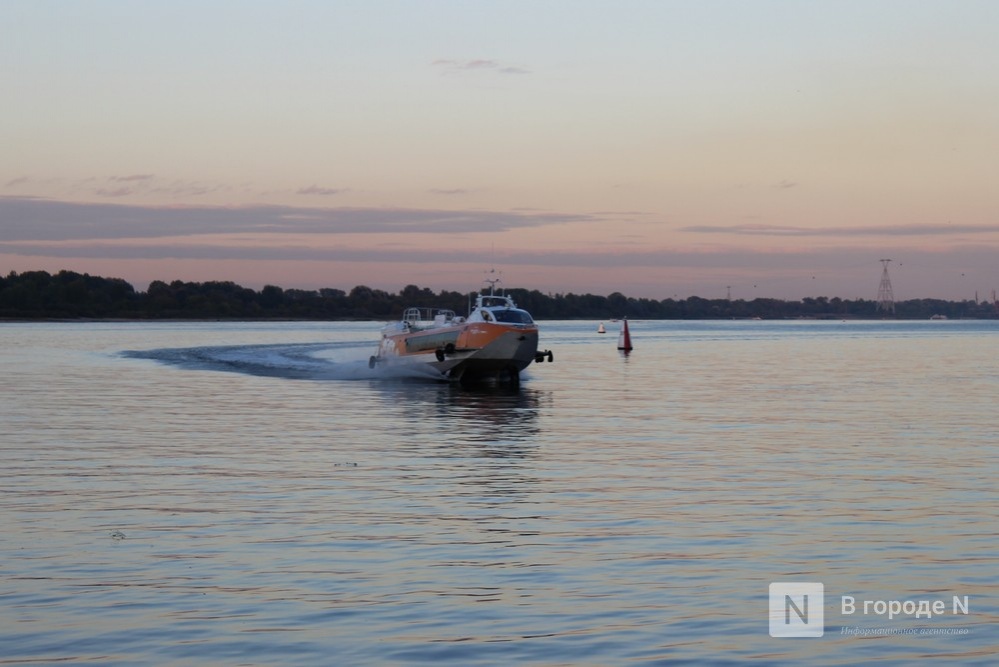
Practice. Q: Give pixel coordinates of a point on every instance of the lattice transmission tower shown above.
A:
(886, 300)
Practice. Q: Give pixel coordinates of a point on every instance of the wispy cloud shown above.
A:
(449, 192)
(34, 219)
(132, 177)
(20, 180)
(450, 65)
(188, 188)
(123, 186)
(318, 190)
(123, 191)
(874, 230)
(144, 184)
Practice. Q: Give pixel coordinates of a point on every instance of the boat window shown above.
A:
(513, 316)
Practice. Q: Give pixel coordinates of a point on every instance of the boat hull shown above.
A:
(467, 353)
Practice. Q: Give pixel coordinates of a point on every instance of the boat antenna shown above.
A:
(492, 282)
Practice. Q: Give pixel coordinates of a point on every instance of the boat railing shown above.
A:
(423, 318)
(494, 300)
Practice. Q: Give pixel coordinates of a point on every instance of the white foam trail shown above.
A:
(303, 361)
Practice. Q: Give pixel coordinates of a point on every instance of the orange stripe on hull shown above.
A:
(473, 336)
(479, 335)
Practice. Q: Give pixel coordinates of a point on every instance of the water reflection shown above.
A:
(637, 518)
(494, 421)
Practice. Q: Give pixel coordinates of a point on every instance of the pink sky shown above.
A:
(763, 149)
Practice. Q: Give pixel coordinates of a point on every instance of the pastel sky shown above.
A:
(761, 148)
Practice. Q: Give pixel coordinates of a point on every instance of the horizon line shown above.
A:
(15, 273)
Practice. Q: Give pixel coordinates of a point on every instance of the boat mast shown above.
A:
(492, 282)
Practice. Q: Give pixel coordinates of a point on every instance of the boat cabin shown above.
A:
(498, 308)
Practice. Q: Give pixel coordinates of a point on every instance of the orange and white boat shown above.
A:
(497, 340)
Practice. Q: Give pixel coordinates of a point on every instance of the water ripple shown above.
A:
(193, 500)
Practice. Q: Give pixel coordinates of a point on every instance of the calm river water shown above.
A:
(249, 493)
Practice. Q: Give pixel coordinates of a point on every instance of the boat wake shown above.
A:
(300, 361)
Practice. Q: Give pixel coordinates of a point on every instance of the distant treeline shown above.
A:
(40, 295)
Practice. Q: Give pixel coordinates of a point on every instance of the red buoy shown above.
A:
(624, 339)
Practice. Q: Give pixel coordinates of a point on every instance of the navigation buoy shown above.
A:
(601, 329)
(624, 339)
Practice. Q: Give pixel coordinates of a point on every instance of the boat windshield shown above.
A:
(512, 316)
